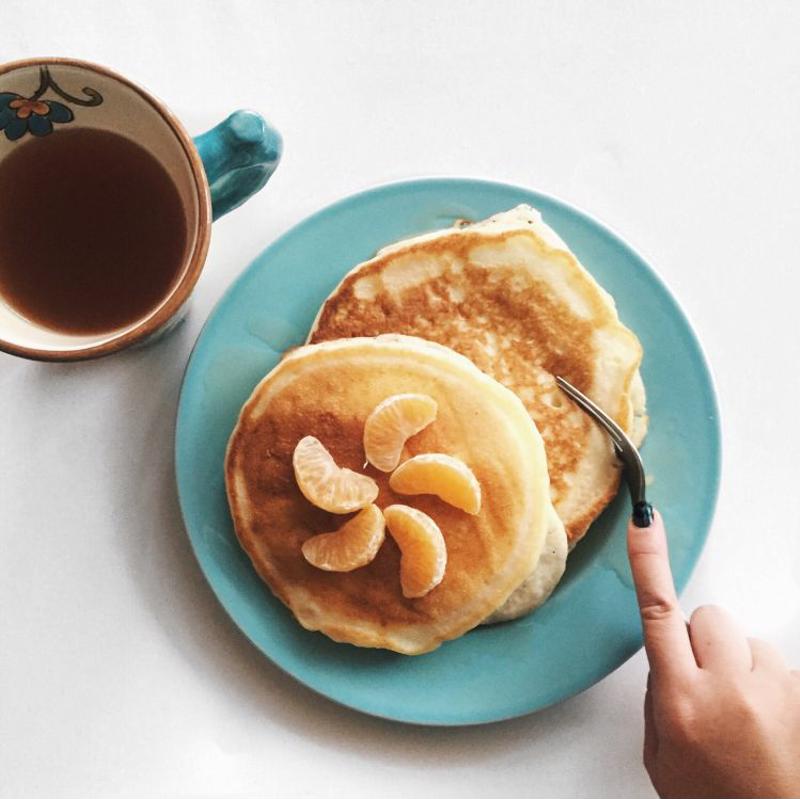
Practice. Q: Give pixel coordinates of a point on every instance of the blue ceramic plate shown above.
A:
(589, 627)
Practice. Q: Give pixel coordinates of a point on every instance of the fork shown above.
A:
(633, 469)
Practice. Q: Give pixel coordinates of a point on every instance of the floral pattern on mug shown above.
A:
(20, 115)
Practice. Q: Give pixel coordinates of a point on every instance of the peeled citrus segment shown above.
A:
(392, 423)
(354, 544)
(423, 554)
(447, 477)
(326, 485)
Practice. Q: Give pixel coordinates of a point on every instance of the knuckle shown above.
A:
(743, 701)
(747, 712)
(657, 607)
(680, 720)
(681, 728)
(643, 546)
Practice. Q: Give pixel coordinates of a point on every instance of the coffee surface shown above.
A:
(93, 234)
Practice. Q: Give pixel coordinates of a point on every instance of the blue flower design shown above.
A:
(19, 115)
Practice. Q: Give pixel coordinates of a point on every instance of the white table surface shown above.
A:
(679, 124)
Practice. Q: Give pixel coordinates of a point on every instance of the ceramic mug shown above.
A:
(213, 173)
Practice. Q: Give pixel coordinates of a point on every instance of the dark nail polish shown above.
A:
(642, 514)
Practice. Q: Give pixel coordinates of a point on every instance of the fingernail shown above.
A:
(642, 514)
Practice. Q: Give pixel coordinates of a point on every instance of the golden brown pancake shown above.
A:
(328, 391)
(508, 294)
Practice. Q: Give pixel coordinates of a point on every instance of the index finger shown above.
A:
(666, 639)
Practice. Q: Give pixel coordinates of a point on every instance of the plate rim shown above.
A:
(698, 543)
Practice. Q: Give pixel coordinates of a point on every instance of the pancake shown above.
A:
(536, 588)
(328, 391)
(508, 294)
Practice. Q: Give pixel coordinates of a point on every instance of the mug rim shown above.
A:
(191, 268)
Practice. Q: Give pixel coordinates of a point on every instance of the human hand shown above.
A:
(722, 712)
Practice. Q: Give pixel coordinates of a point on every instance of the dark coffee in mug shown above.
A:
(93, 233)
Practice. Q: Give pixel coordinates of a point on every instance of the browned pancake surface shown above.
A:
(488, 554)
(509, 324)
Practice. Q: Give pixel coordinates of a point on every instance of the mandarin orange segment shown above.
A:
(423, 554)
(354, 544)
(325, 484)
(392, 423)
(447, 477)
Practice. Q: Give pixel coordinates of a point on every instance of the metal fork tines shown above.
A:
(623, 446)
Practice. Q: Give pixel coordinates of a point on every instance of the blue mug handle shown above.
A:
(239, 156)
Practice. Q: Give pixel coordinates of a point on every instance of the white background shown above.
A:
(678, 123)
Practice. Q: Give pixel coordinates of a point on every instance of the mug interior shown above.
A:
(127, 110)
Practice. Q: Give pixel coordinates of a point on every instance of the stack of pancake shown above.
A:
(482, 318)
